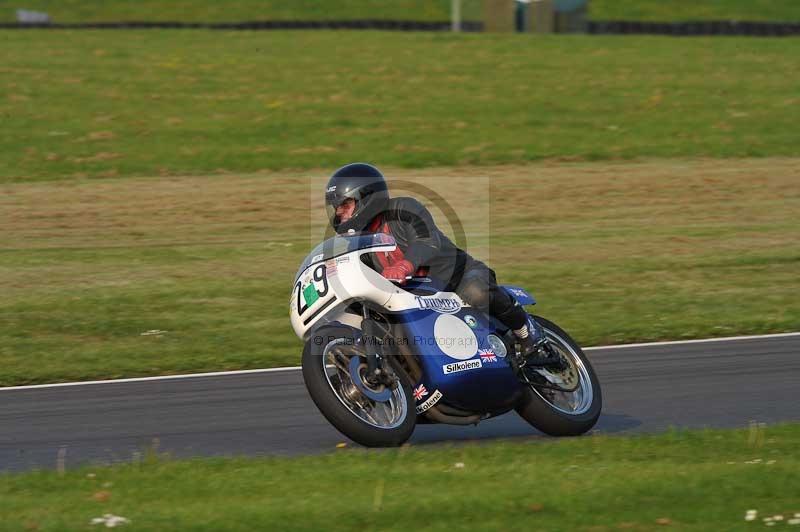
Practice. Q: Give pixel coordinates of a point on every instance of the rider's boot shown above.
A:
(532, 339)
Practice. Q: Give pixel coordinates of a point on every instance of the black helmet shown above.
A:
(365, 184)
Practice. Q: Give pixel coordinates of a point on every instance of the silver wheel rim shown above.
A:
(383, 415)
(571, 403)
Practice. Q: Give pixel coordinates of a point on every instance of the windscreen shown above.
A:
(343, 244)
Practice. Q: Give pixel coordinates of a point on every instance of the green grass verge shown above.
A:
(236, 10)
(89, 104)
(435, 10)
(676, 10)
(614, 253)
(681, 480)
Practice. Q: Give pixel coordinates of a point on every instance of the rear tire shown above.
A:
(536, 409)
(332, 406)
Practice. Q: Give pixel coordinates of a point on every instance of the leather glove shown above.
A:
(399, 271)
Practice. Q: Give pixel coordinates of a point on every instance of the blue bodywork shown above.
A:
(520, 294)
(492, 388)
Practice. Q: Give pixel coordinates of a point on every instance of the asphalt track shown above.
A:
(646, 388)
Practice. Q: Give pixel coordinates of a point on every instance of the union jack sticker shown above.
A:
(330, 268)
(420, 392)
(487, 355)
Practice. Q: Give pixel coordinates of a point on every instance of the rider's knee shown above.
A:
(476, 292)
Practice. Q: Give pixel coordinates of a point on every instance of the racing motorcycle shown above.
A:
(380, 358)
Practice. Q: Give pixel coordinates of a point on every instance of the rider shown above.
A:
(357, 199)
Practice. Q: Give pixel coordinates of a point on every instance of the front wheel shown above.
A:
(334, 365)
(546, 405)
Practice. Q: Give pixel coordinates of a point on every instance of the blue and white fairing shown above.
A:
(461, 350)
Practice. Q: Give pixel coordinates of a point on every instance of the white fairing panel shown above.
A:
(325, 288)
(327, 285)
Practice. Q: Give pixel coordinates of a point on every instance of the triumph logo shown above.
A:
(457, 367)
(441, 305)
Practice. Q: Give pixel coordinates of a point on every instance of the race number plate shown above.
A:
(309, 294)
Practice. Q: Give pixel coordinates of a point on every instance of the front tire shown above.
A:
(564, 413)
(328, 375)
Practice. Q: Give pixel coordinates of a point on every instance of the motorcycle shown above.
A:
(380, 358)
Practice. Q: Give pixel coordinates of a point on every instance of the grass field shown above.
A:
(94, 104)
(695, 481)
(235, 10)
(615, 252)
(128, 204)
(669, 10)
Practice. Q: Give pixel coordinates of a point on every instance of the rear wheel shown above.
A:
(564, 402)
(334, 366)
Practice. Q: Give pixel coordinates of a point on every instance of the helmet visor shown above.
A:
(331, 211)
(332, 204)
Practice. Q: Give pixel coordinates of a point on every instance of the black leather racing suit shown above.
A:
(424, 245)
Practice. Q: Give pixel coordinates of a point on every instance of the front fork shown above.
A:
(372, 334)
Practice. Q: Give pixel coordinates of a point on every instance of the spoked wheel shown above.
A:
(334, 372)
(563, 401)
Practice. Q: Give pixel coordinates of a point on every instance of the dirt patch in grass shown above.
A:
(509, 214)
(280, 207)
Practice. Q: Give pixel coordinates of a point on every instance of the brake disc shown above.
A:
(566, 380)
(380, 394)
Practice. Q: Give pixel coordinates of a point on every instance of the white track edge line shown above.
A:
(148, 379)
(699, 341)
(296, 368)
